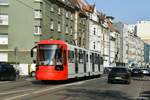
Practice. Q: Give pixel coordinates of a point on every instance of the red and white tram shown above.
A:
(57, 60)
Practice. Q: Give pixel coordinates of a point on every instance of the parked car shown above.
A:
(119, 74)
(7, 72)
(136, 72)
(146, 71)
(107, 70)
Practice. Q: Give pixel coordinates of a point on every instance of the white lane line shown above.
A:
(19, 96)
(44, 90)
(17, 91)
(4, 82)
(140, 89)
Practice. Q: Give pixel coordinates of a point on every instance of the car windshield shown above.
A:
(118, 70)
(136, 70)
(49, 55)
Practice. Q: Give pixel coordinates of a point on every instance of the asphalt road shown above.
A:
(93, 89)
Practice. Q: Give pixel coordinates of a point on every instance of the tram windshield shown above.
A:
(50, 55)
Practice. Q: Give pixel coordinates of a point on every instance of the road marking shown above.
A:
(19, 96)
(30, 79)
(17, 91)
(43, 90)
(4, 82)
(140, 89)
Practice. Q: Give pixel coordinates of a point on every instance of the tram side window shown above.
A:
(80, 56)
(93, 59)
(86, 57)
(58, 56)
(64, 58)
(71, 56)
(101, 60)
(96, 59)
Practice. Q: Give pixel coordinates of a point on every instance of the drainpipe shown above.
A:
(109, 47)
(76, 27)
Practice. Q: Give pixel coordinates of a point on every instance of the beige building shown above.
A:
(133, 47)
(143, 30)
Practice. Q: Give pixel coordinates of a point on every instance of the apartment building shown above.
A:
(25, 22)
(134, 47)
(147, 55)
(142, 30)
(95, 31)
(110, 42)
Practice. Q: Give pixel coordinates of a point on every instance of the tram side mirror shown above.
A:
(59, 53)
(64, 57)
(32, 53)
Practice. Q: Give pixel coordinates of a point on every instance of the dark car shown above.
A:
(136, 72)
(107, 70)
(119, 74)
(7, 72)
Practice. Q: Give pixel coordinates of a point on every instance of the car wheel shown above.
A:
(33, 74)
(109, 81)
(12, 78)
(1, 78)
(128, 81)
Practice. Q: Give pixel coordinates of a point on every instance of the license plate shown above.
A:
(118, 78)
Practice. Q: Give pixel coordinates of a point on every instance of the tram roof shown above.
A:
(52, 42)
(63, 42)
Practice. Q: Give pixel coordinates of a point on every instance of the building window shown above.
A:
(37, 14)
(38, 0)
(3, 39)
(94, 31)
(4, 2)
(3, 19)
(59, 11)
(94, 45)
(52, 24)
(71, 16)
(71, 31)
(3, 57)
(59, 27)
(67, 14)
(37, 30)
(52, 8)
(84, 22)
(67, 30)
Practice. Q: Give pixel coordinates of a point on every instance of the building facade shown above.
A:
(133, 47)
(142, 30)
(147, 55)
(110, 42)
(94, 32)
(25, 22)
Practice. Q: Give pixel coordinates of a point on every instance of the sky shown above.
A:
(127, 11)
